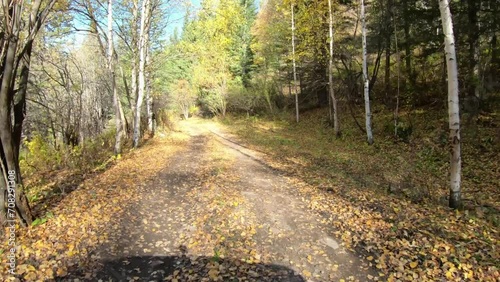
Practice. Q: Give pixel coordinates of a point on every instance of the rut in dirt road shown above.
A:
(218, 213)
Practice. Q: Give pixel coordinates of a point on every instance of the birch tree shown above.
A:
(330, 74)
(149, 100)
(366, 81)
(91, 11)
(294, 66)
(134, 51)
(112, 77)
(143, 45)
(455, 200)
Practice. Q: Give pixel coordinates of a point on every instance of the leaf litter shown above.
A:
(199, 208)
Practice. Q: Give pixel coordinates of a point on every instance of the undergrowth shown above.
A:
(414, 167)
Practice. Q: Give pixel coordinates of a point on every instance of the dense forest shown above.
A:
(402, 97)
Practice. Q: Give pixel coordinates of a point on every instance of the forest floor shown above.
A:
(388, 201)
(260, 200)
(193, 205)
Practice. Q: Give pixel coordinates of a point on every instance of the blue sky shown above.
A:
(176, 19)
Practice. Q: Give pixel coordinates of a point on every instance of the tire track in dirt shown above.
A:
(291, 235)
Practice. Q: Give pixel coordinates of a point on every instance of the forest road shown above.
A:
(217, 212)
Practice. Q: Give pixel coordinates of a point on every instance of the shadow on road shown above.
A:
(183, 268)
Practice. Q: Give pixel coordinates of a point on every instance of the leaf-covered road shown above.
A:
(216, 212)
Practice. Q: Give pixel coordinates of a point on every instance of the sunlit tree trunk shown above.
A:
(114, 91)
(366, 81)
(149, 96)
(143, 45)
(294, 66)
(135, 51)
(455, 200)
(388, 35)
(330, 74)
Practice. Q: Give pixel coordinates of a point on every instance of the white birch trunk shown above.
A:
(366, 81)
(116, 98)
(294, 66)
(330, 74)
(135, 61)
(453, 105)
(133, 86)
(143, 45)
(149, 96)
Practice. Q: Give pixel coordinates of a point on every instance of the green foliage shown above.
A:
(216, 257)
(212, 58)
(39, 155)
(42, 220)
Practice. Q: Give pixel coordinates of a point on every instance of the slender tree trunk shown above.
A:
(473, 38)
(123, 122)
(149, 108)
(494, 66)
(407, 44)
(330, 74)
(133, 84)
(116, 99)
(126, 125)
(143, 44)
(387, 78)
(149, 96)
(388, 35)
(330, 108)
(398, 62)
(453, 105)
(294, 66)
(366, 80)
(135, 55)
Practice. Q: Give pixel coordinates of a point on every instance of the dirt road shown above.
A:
(217, 212)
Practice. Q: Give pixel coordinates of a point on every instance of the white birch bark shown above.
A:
(143, 45)
(453, 104)
(330, 74)
(116, 99)
(294, 66)
(149, 96)
(366, 81)
(135, 61)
